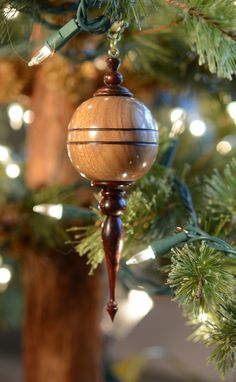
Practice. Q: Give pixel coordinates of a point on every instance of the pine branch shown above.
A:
(143, 206)
(89, 244)
(210, 27)
(196, 13)
(194, 272)
(220, 192)
(202, 285)
(127, 10)
(219, 332)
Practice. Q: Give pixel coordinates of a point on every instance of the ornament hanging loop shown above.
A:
(114, 35)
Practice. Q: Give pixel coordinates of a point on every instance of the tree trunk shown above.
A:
(62, 333)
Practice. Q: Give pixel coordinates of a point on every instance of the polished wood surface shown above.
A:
(112, 139)
(113, 80)
(112, 205)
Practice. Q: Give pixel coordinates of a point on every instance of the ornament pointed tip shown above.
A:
(112, 309)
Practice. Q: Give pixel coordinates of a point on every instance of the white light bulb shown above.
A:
(145, 255)
(4, 154)
(197, 128)
(177, 114)
(15, 113)
(13, 170)
(53, 210)
(10, 12)
(40, 209)
(5, 275)
(56, 211)
(41, 56)
(28, 117)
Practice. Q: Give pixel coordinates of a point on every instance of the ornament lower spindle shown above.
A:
(112, 205)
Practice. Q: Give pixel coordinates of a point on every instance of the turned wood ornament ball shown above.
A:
(112, 137)
(112, 141)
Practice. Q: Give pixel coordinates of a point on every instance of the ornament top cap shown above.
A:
(112, 80)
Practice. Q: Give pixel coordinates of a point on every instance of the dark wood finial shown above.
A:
(113, 80)
(112, 205)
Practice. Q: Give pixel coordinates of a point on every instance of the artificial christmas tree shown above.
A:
(201, 266)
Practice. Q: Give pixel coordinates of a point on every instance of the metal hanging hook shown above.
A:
(114, 35)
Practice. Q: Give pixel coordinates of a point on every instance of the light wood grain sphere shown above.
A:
(112, 138)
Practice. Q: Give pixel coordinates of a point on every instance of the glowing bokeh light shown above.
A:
(231, 110)
(15, 113)
(13, 170)
(5, 275)
(197, 128)
(224, 147)
(28, 117)
(4, 154)
(177, 114)
(100, 63)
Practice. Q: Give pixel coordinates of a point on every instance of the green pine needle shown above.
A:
(132, 10)
(89, 244)
(200, 280)
(144, 203)
(219, 332)
(210, 30)
(220, 192)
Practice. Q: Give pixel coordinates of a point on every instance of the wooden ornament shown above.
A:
(112, 141)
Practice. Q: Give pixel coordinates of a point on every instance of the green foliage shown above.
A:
(87, 242)
(148, 198)
(144, 204)
(210, 26)
(219, 332)
(126, 10)
(5, 185)
(201, 277)
(201, 280)
(40, 231)
(11, 299)
(202, 284)
(220, 192)
(44, 232)
(19, 29)
(206, 27)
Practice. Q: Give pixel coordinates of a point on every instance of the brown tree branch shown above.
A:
(194, 12)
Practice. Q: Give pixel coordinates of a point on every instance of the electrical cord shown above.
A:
(57, 40)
